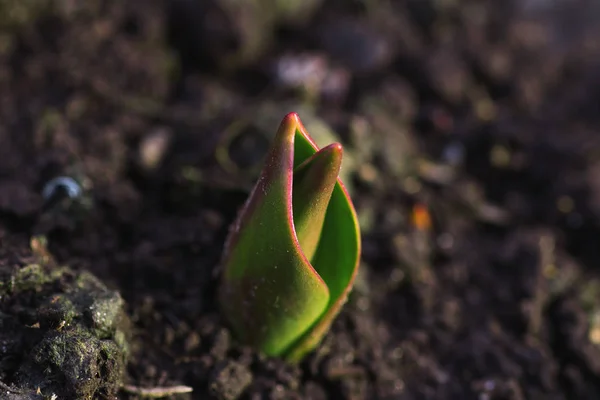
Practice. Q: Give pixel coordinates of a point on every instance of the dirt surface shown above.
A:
(473, 158)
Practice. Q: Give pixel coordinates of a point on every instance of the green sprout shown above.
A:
(292, 254)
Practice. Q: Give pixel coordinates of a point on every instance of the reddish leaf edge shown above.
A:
(315, 333)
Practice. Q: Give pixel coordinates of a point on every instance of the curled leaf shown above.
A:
(291, 256)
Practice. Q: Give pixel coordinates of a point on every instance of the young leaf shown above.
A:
(291, 256)
(314, 181)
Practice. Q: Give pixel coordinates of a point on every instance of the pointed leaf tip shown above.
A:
(291, 117)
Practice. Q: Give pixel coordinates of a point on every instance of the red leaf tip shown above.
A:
(337, 148)
(292, 117)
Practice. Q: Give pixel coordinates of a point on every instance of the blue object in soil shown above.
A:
(69, 185)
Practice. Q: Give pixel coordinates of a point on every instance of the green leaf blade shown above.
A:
(314, 182)
(270, 291)
(336, 258)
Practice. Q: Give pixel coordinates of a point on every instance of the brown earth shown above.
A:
(484, 112)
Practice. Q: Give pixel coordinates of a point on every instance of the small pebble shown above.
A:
(153, 148)
(301, 70)
(229, 379)
(68, 184)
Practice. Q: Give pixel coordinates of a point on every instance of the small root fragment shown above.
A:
(156, 392)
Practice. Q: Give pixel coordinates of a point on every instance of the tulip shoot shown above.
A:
(292, 254)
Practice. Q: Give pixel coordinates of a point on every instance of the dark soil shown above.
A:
(483, 113)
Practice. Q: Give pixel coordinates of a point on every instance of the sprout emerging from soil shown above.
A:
(291, 257)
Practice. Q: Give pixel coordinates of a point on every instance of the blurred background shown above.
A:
(472, 152)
